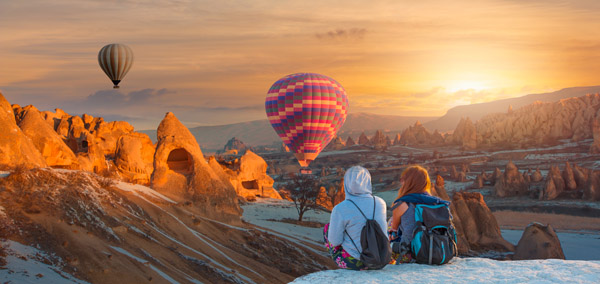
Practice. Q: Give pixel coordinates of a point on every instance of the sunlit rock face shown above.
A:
(476, 227)
(16, 149)
(182, 173)
(542, 123)
(55, 152)
(134, 157)
(247, 175)
(464, 135)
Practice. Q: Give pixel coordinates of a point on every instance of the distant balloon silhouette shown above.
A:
(115, 59)
(306, 110)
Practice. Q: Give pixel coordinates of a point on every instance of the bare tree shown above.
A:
(304, 191)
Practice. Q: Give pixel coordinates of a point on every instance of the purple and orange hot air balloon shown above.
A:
(306, 110)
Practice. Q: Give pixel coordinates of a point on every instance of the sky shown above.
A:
(212, 62)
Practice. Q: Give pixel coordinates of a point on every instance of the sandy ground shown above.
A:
(519, 220)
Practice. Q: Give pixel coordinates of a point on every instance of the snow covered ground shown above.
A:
(25, 264)
(468, 270)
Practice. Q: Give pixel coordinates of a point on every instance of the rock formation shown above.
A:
(437, 138)
(252, 178)
(378, 140)
(397, 139)
(134, 156)
(464, 135)
(569, 177)
(235, 144)
(538, 242)
(476, 226)
(46, 140)
(16, 149)
(363, 139)
(335, 144)
(182, 173)
(591, 191)
(511, 183)
(555, 185)
(581, 176)
(537, 176)
(542, 123)
(416, 134)
(595, 147)
(478, 182)
(350, 142)
(440, 189)
(388, 141)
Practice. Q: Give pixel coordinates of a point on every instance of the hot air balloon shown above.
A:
(306, 110)
(115, 59)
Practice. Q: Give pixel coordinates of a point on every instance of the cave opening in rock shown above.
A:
(250, 184)
(180, 161)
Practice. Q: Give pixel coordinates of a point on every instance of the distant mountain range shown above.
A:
(449, 121)
(259, 132)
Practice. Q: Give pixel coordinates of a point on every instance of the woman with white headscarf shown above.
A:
(342, 234)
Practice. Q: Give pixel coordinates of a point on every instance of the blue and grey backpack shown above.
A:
(434, 237)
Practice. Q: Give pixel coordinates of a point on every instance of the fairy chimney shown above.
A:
(182, 173)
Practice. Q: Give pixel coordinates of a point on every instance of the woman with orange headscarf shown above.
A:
(415, 189)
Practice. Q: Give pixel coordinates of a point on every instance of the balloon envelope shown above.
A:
(306, 110)
(115, 59)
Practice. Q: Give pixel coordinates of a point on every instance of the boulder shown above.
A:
(16, 149)
(55, 152)
(134, 156)
(511, 183)
(181, 172)
(538, 242)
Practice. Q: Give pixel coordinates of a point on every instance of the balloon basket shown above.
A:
(305, 171)
(115, 87)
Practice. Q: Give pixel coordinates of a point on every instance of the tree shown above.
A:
(304, 191)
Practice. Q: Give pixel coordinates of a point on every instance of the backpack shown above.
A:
(376, 252)
(434, 237)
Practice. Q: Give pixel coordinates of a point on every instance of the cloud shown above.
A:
(353, 33)
(114, 98)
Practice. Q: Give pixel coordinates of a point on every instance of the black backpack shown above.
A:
(434, 237)
(376, 252)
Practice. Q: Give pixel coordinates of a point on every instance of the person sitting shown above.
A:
(342, 234)
(415, 189)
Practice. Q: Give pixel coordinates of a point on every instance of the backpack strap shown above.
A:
(355, 246)
(374, 204)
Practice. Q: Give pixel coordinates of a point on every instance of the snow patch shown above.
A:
(146, 263)
(468, 270)
(140, 189)
(25, 264)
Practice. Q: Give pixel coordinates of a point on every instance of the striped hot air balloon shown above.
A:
(306, 110)
(115, 59)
